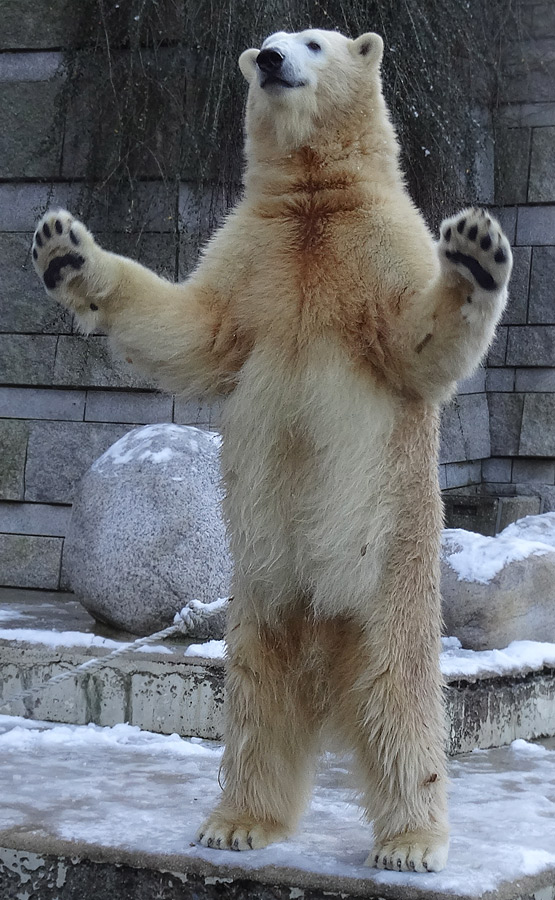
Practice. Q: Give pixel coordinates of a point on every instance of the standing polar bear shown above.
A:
(336, 327)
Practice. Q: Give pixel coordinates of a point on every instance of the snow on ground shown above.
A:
(122, 787)
(475, 557)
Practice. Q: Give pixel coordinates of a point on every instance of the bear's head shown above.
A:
(310, 86)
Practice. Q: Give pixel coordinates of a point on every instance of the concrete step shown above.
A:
(167, 690)
(113, 813)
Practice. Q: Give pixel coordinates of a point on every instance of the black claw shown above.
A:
(249, 841)
(447, 235)
(35, 254)
(46, 230)
(38, 239)
(58, 226)
(472, 232)
(94, 307)
(235, 844)
(485, 243)
(412, 865)
(201, 835)
(210, 842)
(500, 256)
(73, 237)
(460, 226)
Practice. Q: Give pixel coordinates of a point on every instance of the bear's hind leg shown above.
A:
(273, 726)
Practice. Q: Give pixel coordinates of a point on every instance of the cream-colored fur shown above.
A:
(335, 326)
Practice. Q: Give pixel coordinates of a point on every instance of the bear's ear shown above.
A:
(247, 63)
(368, 47)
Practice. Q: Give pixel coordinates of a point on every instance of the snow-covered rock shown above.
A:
(500, 589)
(147, 533)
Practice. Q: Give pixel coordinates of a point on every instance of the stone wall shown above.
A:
(63, 400)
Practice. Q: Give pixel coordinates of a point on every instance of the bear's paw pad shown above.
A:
(410, 852)
(220, 833)
(474, 244)
(59, 244)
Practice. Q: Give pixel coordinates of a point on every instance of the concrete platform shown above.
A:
(163, 690)
(114, 812)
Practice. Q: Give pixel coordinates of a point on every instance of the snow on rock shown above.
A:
(66, 781)
(500, 589)
(520, 657)
(147, 533)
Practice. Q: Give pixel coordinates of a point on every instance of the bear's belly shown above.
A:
(305, 462)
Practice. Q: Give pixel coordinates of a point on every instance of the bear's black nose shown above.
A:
(269, 61)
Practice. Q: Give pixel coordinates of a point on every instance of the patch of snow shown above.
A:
(67, 781)
(208, 650)
(475, 557)
(519, 656)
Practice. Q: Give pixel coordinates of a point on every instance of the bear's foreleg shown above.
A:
(180, 333)
(452, 323)
(272, 736)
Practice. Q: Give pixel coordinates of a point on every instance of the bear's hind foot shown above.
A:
(414, 851)
(240, 832)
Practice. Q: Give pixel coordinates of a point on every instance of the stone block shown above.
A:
(24, 304)
(511, 509)
(133, 408)
(41, 403)
(474, 417)
(517, 306)
(88, 362)
(512, 153)
(451, 436)
(26, 25)
(507, 218)
(27, 358)
(500, 380)
(442, 477)
(29, 67)
(505, 416)
(59, 453)
(538, 426)
(541, 22)
(531, 345)
(526, 115)
(34, 518)
(13, 450)
(540, 470)
(535, 380)
(473, 512)
(192, 412)
(541, 307)
(528, 71)
(475, 384)
(497, 469)
(536, 225)
(21, 204)
(498, 349)
(29, 561)
(30, 146)
(541, 188)
(463, 474)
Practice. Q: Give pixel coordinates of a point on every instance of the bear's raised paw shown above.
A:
(58, 249)
(473, 243)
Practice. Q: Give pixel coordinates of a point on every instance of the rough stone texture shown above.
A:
(198, 413)
(498, 349)
(505, 416)
(88, 362)
(13, 450)
(30, 561)
(542, 283)
(514, 508)
(542, 175)
(535, 380)
(41, 403)
(27, 358)
(528, 68)
(130, 407)
(58, 455)
(25, 25)
(516, 604)
(497, 469)
(464, 429)
(501, 379)
(542, 470)
(29, 145)
(521, 115)
(512, 152)
(531, 343)
(147, 533)
(536, 225)
(24, 305)
(471, 512)
(34, 518)
(462, 474)
(517, 306)
(538, 425)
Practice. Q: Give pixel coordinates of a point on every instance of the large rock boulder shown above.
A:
(500, 589)
(147, 533)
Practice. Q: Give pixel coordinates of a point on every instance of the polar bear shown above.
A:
(336, 327)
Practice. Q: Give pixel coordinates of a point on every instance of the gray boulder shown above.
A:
(500, 589)
(147, 534)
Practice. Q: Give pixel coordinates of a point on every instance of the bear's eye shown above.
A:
(312, 45)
